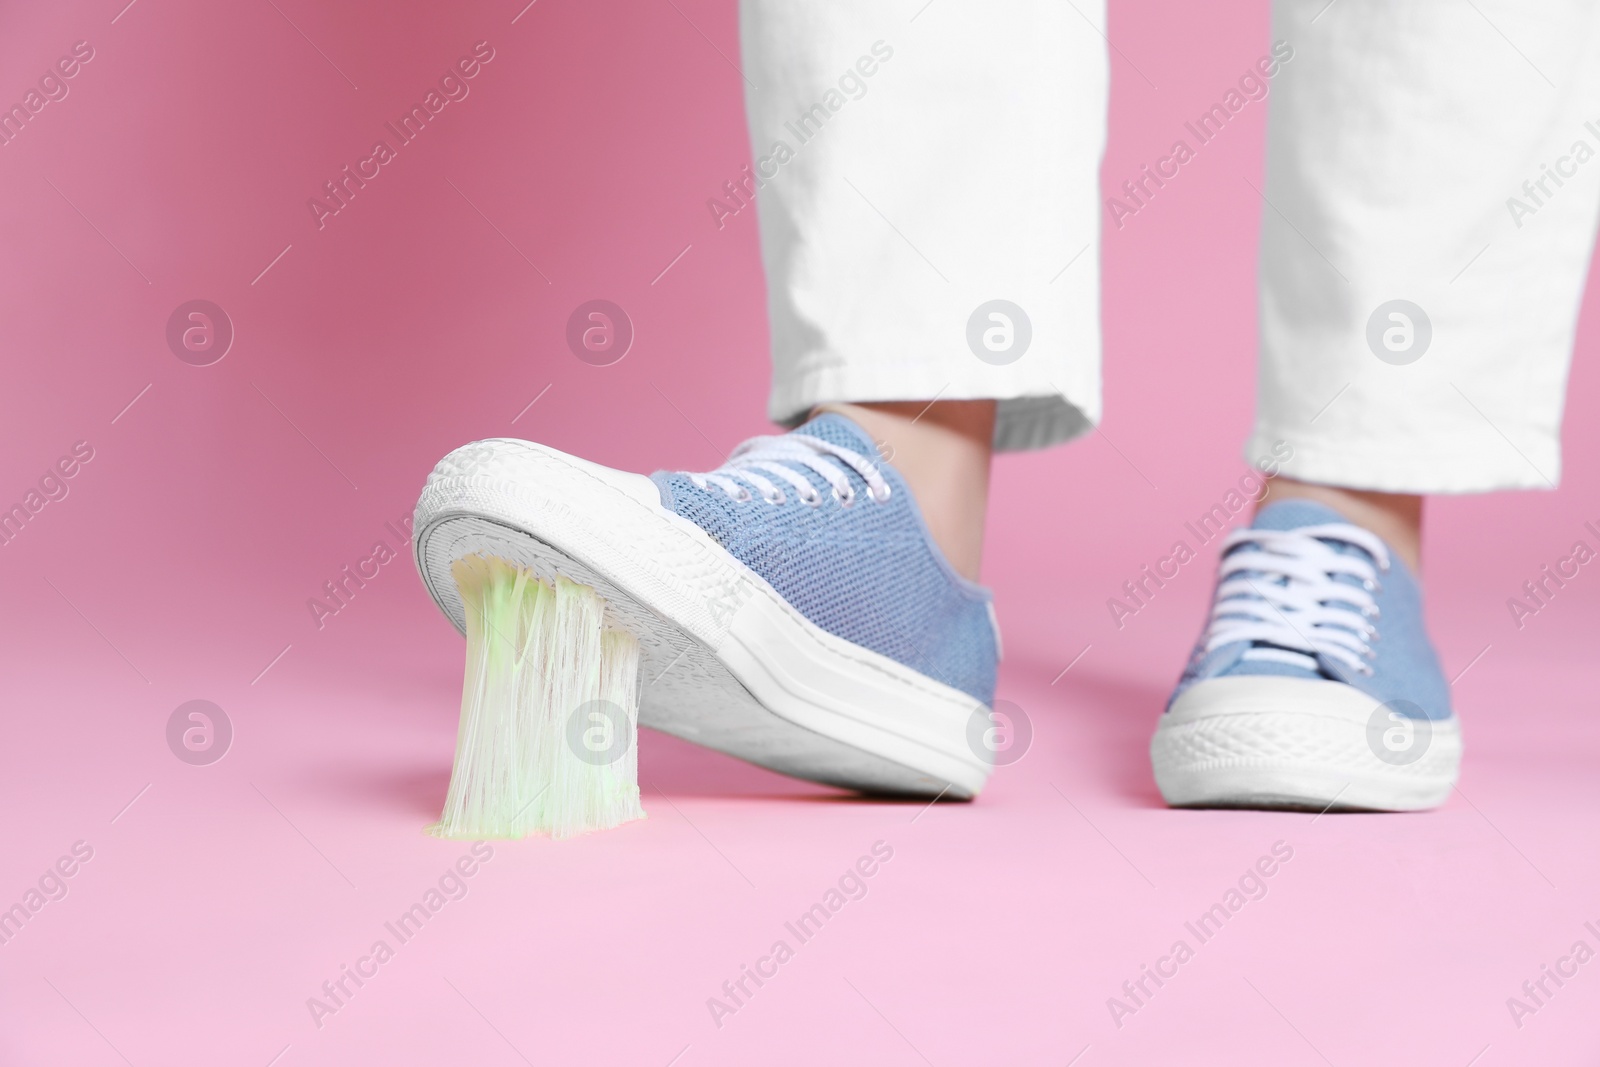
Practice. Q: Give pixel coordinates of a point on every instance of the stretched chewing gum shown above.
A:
(549, 710)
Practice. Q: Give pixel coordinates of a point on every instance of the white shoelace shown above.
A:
(1283, 590)
(761, 459)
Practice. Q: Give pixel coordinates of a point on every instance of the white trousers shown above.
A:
(1430, 203)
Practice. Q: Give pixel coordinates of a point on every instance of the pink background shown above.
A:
(183, 557)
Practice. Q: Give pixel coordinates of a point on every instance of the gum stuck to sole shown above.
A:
(549, 710)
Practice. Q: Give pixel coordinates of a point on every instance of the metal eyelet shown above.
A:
(888, 491)
(814, 500)
(845, 499)
(776, 498)
(744, 496)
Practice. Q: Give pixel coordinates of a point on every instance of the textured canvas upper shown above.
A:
(868, 572)
(1404, 667)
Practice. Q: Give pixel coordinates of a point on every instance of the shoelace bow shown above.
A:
(1284, 591)
(760, 460)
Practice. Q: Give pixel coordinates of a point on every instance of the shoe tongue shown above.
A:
(836, 429)
(1295, 514)
(1288, 515)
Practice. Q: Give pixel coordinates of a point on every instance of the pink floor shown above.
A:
(216, 900)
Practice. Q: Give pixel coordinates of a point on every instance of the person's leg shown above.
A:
(943, 450)
(1421, 261)
(882, 145)
(1431, 201)
(1395, 517)
(926, 188)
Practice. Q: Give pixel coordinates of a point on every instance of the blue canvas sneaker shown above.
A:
(791, 606)
(1314, 683)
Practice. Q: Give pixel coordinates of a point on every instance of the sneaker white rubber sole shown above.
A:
(1297, 743)
(726, 661)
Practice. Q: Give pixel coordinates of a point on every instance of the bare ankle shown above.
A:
(942, 449)
(1395, 517)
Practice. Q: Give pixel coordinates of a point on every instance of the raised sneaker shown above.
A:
(790, 606)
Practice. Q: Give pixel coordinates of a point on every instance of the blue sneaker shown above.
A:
(1314, 684)
(791, 607)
